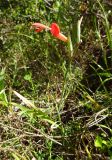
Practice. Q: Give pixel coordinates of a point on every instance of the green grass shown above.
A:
(55, 97)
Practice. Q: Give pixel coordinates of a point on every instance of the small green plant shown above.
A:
(28, 77)
(104, 145)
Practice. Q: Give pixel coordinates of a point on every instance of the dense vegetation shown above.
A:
(56, 97)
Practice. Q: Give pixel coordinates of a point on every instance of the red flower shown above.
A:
(54, 29)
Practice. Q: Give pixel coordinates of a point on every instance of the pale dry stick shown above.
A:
(97, 120)
(38, 135)
(99, 113)
(25, 100)
(11, 139)
(45, 135)
(19, 130)
(30, 135)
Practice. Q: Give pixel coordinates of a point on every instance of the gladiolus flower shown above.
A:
(54, 29)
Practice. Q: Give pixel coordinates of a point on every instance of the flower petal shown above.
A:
(55, 30)
(39, 27)
(62, 37)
